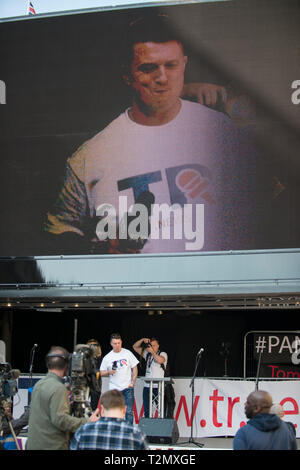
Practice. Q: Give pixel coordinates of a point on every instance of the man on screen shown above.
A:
(167, 175)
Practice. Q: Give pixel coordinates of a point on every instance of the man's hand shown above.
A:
(205, 93)
(95, 416)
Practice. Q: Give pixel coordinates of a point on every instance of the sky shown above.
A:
(12, 8)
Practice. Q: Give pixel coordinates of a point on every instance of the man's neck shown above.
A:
(59, 373)
(114, 413)
(151, 117)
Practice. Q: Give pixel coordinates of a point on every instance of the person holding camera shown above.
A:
(156, 363)
(50, 420)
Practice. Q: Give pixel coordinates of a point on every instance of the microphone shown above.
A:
(200, 352)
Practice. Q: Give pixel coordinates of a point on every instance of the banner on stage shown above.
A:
(218, 408)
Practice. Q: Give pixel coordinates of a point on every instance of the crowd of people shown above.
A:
(110, 426)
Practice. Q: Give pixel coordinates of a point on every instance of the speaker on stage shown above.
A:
(160, 430)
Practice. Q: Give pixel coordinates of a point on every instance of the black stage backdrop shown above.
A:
(181, 334)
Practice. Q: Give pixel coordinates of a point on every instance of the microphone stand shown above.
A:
(32, 352)
(192, 384)
(258, 369)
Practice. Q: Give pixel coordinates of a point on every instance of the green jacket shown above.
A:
(50, 422)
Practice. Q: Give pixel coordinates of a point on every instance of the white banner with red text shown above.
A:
(218, 405)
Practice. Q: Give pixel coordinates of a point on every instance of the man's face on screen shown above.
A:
(157, 75)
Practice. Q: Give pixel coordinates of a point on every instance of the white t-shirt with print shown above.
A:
(124, 362)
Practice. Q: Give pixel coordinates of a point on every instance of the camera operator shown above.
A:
(156, 363)
(50, 421)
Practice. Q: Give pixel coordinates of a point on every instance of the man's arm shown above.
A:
(60, 412)
(137, 346)
(239, 442)
(107, 373)
(70, 208)
(157, 357)
(134, 374)
(104, 370)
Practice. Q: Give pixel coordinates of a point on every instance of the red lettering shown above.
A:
(215, 398)
(231, 404)
(273, 369)
(295, 411)
(279, 373)
(292, 374)
(135, 413)
(182, 403)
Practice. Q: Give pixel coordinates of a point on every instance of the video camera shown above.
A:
(8, 388)
(82, 375)
(8, 382)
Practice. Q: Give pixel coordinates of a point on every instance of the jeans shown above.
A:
(128, 394)
(146, 396)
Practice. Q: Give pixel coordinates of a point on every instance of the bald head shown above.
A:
(258, 402)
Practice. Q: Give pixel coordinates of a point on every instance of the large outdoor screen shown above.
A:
(154, 130)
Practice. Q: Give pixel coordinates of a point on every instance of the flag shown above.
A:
(31, 10)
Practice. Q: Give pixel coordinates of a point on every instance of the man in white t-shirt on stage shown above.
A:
(120, 365)
(156, 363)
(183, 162)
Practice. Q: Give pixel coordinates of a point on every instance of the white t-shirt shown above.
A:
(199, 159)
(153, 368)
(124, 361)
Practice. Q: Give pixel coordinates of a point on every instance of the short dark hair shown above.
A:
(115, 336)
(151, 28)
(153, 338)
(57, 358)
(112, 399)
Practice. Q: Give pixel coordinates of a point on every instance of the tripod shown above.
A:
(8, 419)
(192, 384)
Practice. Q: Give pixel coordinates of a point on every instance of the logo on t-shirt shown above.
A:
(120, 363)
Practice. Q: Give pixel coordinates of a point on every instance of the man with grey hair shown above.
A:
(50, 421)
(264, 430)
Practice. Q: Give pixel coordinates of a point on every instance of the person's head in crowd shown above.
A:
(112, 405)
(57, 359)
(95, 347)
(258, 402)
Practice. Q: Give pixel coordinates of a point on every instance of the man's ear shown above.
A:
(101, 410)
(124, 411)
